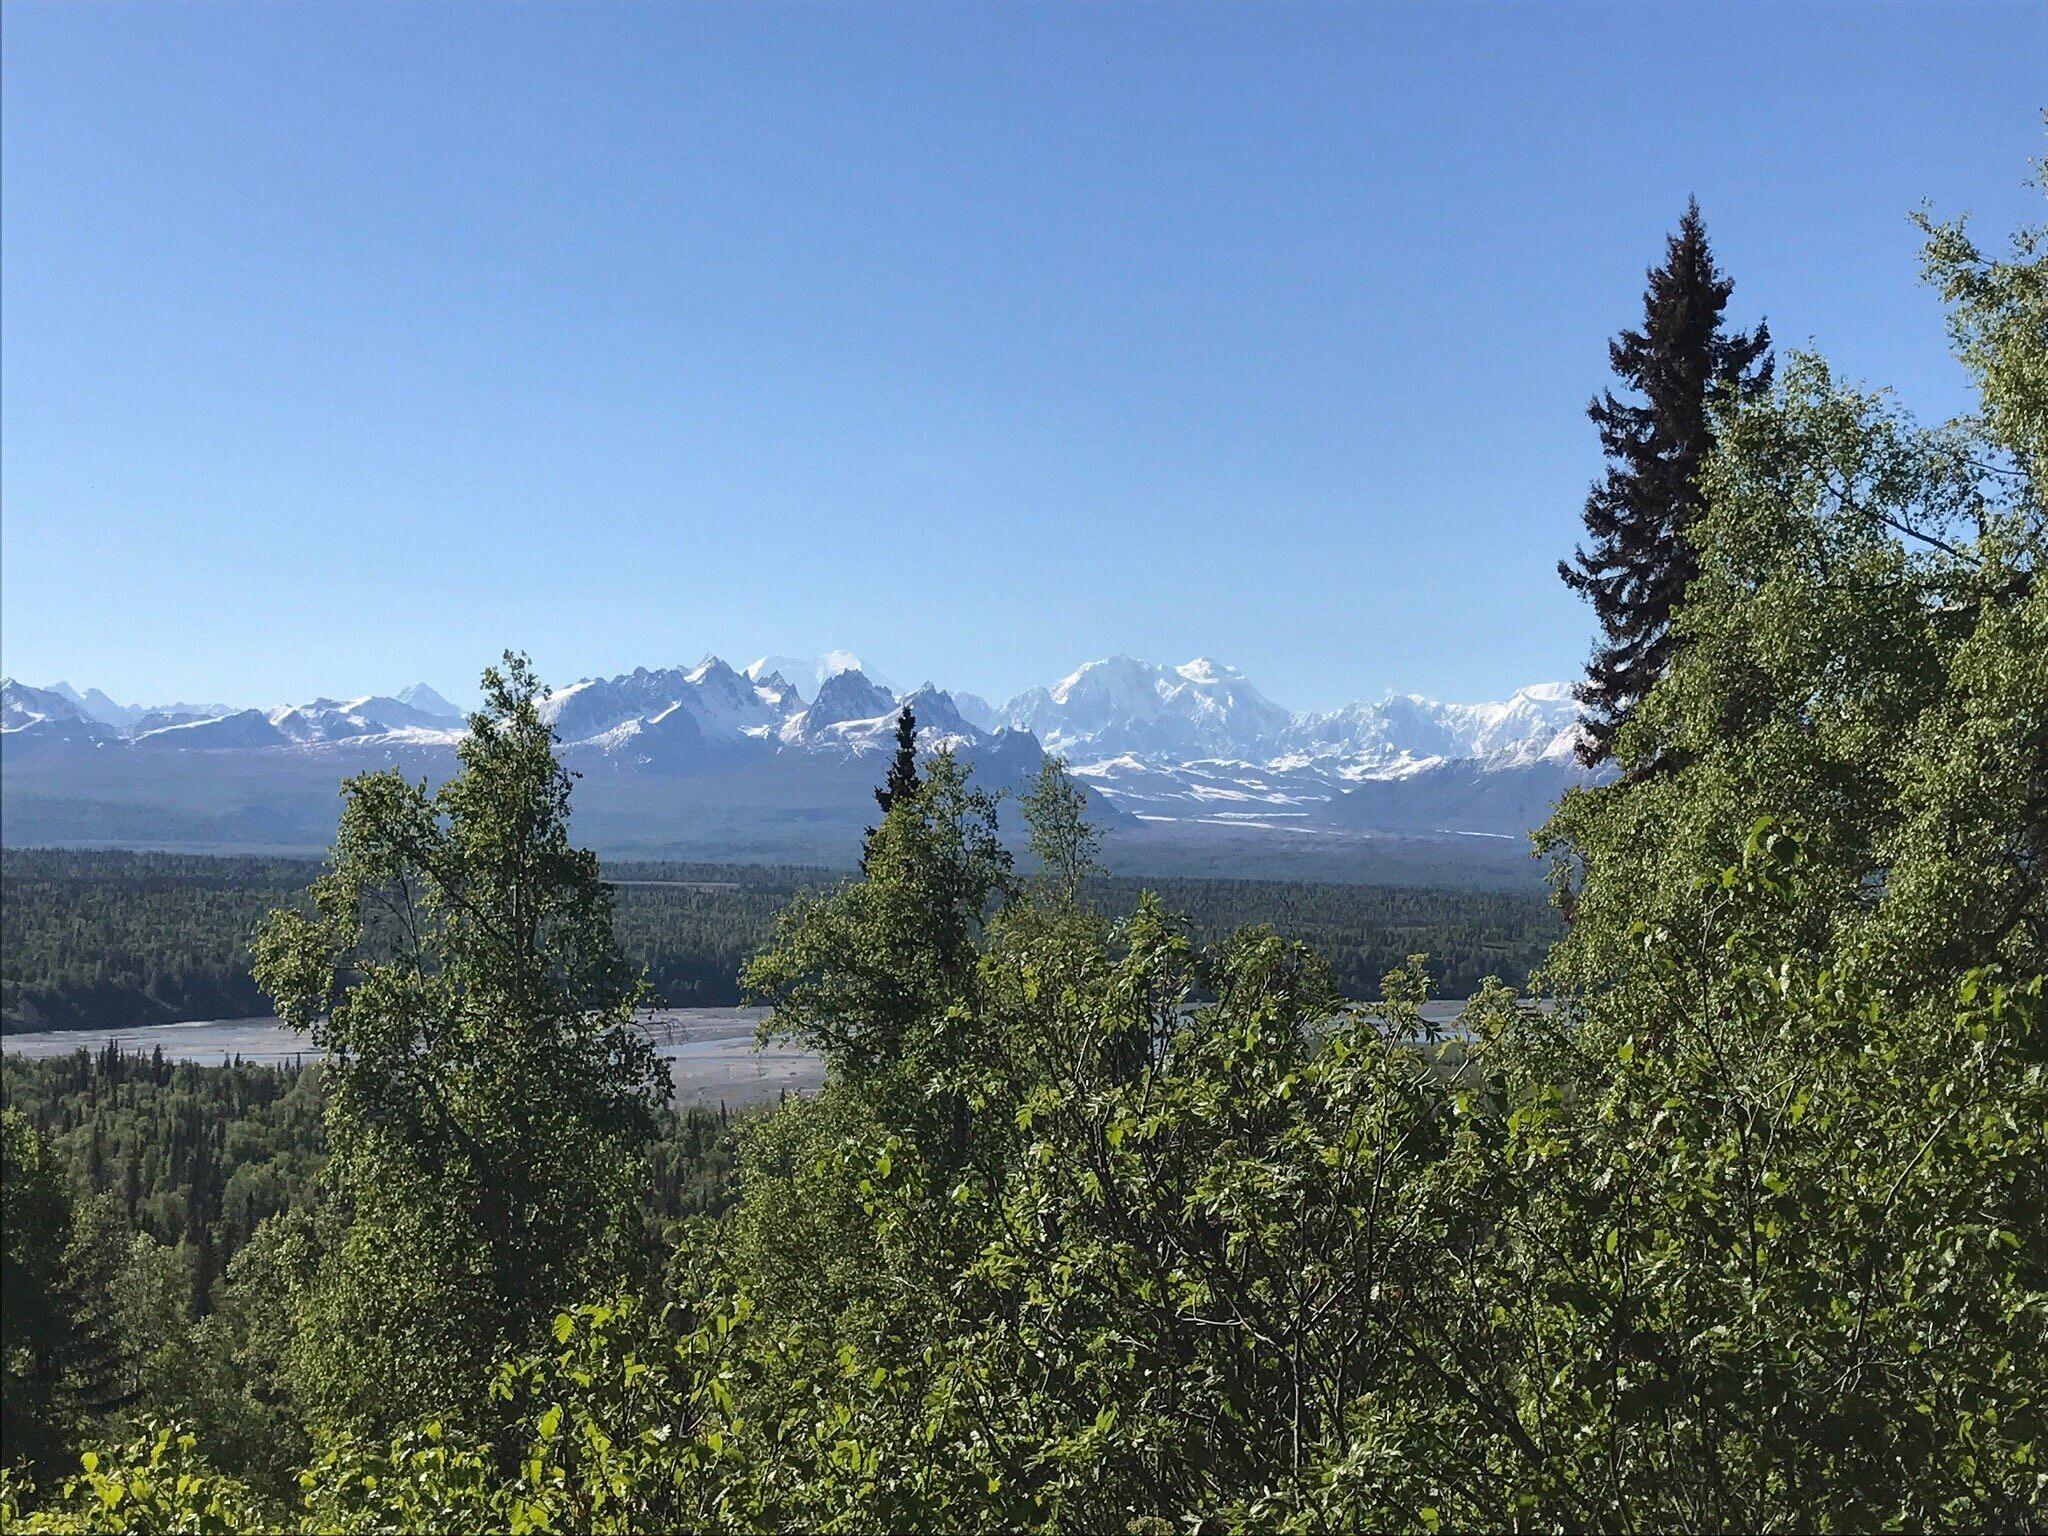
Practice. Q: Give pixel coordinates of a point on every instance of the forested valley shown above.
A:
(1106, 1220)
(111, 940)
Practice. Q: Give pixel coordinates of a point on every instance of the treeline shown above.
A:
(109, 940)
(692, 926)
(1363, 931)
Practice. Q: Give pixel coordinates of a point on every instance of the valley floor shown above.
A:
(711, 1054)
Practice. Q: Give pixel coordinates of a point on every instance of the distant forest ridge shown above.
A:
(106, 940)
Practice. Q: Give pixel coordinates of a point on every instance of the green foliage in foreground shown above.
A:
(1763, 1258)
(159, 1216)
(1097, 1226)
(488, 1102)
(197, 1158)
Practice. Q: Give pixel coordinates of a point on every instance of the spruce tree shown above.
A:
(902, 778)
(1638, 557)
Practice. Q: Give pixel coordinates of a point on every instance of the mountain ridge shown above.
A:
(1196, 744)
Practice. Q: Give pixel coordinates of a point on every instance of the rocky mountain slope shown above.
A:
(716, 759)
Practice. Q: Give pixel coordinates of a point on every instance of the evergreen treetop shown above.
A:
(1638, 557)
(902, 781)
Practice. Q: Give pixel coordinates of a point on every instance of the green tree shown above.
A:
(909, 928)
(37, 1330)
(489, 1104)
(1778, 1153)
(1756, 1259)
(1057, 829)
(902, 780)
(1639, 516)
(158, 1483)
(78, 1298)
(1866, 660)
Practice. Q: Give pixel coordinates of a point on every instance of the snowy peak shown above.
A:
(1201, 709)
(944, 721)
(842, 697)
(424, 699)
(22, 706)
(721, 703)
(1544, 717)
(1197, 741)
(936, 712)
(814, 671)
(1405, 730)
(95, 705)
(242, 730)
(776, 691)
(593, 705)
(340, 719)
(976, 711)
(1119, 706)
(42, 719)
(940, 725)
(1205, 670)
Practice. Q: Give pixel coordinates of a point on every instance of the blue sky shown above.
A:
(348, 345)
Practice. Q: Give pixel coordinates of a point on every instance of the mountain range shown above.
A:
(715, 761)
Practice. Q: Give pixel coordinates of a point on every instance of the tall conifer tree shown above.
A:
(1638, 556)
(902, 779)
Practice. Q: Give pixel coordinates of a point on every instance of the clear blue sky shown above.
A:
(348, 345)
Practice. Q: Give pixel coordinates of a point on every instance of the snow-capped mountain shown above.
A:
(244, 730)
(35, 719)
(1403, 732)
(810, 672)
(371, 715)
(96, 705)
(646, 715)
(720, 704)
(857, 717)
(844, 699)
(424, 699)
(22, 706)
(726, 762)
(976, 711)
(1200, 743)
(1200, 710)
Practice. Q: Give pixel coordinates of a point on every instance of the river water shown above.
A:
(710, 1052)
(711, 1055)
